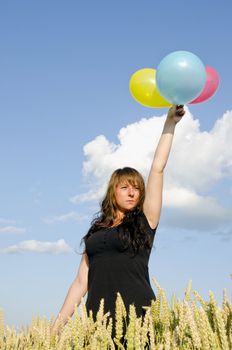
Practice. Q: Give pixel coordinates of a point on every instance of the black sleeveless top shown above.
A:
(112, 270)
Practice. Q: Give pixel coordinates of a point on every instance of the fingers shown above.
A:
(180, 110)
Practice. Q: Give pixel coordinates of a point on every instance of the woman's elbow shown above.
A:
(81, 285)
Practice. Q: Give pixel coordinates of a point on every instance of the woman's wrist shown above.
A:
(169, 126)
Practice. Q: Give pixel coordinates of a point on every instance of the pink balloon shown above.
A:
(211, 85)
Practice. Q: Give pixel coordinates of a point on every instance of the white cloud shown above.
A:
(72, 216)
(39, 247)
(188, 210)
(184, 198)
(91, 195)
(12, 229)
(198, 160)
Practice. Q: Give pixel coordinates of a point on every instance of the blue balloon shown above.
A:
(180, 77)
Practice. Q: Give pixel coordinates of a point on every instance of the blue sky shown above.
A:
(67, 119)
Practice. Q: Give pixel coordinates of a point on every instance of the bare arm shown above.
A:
(153, 198)
(77, 290)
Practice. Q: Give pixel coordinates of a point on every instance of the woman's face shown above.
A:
(127, 196)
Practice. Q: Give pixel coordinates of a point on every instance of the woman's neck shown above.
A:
(119, 217)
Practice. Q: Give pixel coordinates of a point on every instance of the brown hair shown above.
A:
(132, 219)
(109, 204)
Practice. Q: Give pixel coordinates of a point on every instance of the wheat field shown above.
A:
(191, 323)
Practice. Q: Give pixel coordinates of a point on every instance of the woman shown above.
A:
(119, 241)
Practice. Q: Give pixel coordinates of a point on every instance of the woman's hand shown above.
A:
(176, 113)
(56, 328)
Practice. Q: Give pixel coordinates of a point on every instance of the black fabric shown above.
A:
(113, 269)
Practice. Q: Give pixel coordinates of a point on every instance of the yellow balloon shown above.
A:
(144, 90)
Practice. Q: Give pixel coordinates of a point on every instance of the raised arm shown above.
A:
(153, 198)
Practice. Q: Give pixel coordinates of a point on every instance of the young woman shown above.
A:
(119, 241)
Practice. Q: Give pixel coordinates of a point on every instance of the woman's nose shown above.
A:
(131, 191)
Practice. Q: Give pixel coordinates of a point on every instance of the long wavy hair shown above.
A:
(131, 230)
